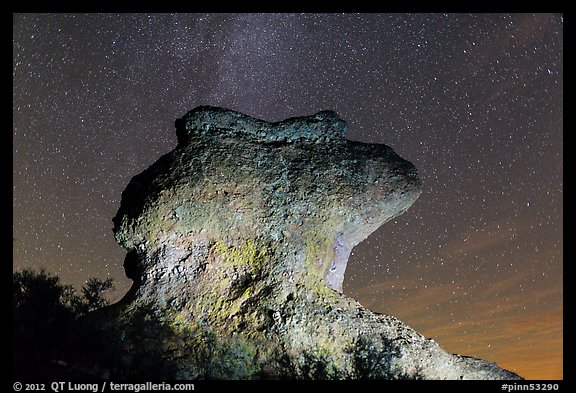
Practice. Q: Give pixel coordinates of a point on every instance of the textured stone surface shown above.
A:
(238, 242)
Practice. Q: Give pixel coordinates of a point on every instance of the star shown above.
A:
(475, 101)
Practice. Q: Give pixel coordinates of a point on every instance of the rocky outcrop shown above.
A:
(238, 242)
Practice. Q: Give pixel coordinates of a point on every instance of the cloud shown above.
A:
(521, 331)
(480, 239)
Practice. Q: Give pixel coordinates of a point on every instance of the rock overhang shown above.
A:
(237, 243)
(298, 183)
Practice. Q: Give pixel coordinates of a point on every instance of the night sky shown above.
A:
(474, 101)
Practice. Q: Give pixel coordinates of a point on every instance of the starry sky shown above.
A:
(475, 101)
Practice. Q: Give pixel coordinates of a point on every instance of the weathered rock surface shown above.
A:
(237, 244)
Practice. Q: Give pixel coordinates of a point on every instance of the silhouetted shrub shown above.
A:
(44, 315)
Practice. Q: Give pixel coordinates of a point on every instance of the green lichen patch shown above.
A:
(249, 255)
(210, 353)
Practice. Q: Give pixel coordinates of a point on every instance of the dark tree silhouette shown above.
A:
(93, 293)
(44, 315)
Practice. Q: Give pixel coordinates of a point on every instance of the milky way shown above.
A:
(473, 100)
